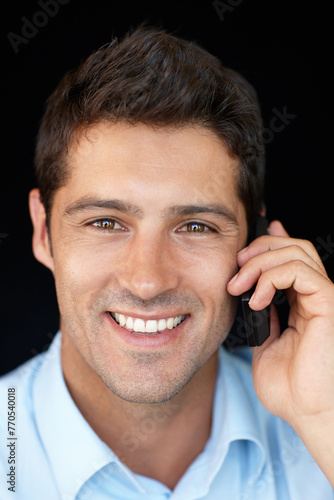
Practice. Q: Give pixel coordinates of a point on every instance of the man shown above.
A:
(149, 162)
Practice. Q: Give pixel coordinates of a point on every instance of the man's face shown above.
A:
(146, 232)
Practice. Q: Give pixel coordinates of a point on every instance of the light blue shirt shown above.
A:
(250, 455)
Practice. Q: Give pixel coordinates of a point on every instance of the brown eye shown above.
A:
(104, 224)
(195, 227)
(107, 225)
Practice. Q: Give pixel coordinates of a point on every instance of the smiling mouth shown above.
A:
(152, 326)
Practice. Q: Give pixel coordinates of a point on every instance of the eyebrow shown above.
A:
(93, 203)
(212, 208)
(90, 203)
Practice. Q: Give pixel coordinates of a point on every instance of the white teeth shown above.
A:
(122, 320)
(129, 323)
(150, 326)
(170, 323)
(162, 325)
(139, 325)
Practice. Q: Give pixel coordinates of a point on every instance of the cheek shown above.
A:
(220, 306)
(209, 276)
(81, 274)
(215, 266)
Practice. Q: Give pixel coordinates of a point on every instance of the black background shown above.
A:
(283, 48)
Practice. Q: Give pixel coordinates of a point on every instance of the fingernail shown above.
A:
(232, 280)
(242, 251)
(251, 300)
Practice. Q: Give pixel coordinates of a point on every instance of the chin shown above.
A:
(147, 388)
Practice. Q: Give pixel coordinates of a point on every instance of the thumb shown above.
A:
(276, 228)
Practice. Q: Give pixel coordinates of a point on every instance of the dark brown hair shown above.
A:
(155, 78)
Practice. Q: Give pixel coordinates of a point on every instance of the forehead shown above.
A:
(190, 162)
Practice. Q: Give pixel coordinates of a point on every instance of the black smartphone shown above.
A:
(257, 323)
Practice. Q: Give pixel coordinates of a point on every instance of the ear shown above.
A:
(40, 240)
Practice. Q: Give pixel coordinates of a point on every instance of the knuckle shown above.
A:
(297, 250)
(298, 265)
(306, 252)
(309, 247)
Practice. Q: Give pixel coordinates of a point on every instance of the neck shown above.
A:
(158, 440)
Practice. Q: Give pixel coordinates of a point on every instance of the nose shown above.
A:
(148, 269)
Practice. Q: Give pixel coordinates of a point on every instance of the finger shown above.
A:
(251, 271)
(276, 228)
(301, 278)
(269, 243)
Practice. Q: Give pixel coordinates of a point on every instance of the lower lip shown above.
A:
(149, 340)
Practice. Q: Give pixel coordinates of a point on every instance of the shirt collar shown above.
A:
(74, 450)
(239, 407)
(234, 418)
